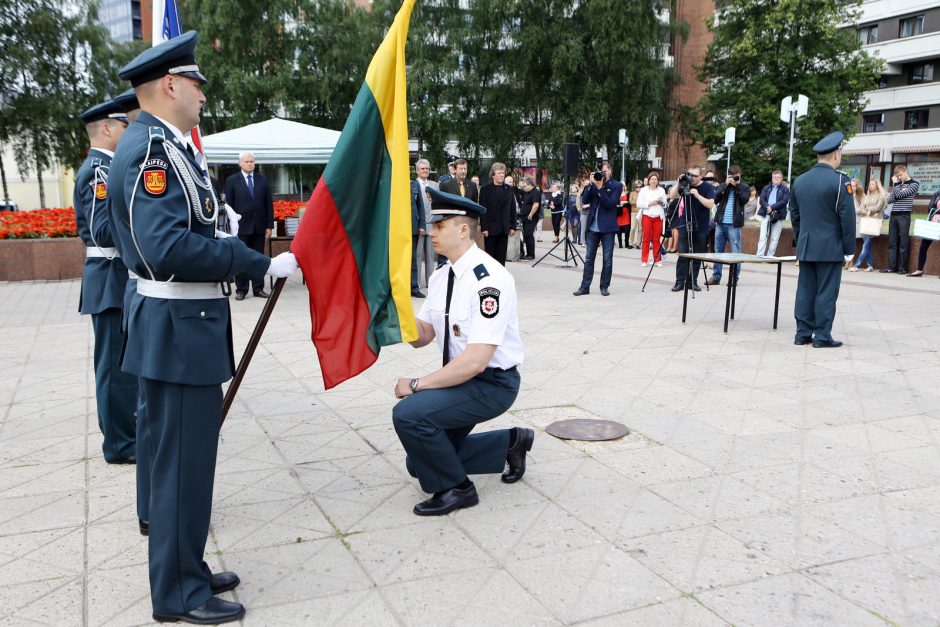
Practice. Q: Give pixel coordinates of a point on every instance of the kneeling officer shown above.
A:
(179, 333)
(471, 311)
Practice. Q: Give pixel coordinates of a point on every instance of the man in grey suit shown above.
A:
(823, 216)
(423, 258)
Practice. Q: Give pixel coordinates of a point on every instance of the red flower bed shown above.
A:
(38, 223)
(287, 208)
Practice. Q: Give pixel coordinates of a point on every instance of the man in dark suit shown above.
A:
(250, 196)
(823, 216)
(460, 185)
(499, 222)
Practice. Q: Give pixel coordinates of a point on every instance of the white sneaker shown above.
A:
(644, 264)
(853, 269)
(659, 264)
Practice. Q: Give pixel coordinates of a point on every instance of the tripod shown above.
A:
(564, 242)
(689, 229)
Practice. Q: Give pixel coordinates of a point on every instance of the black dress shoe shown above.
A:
(516, 456)
(581, 292)
(447, 501)
(529, 257)
(696, 287)
(803, 341)
(130, 459)
(212, 612)
(239, 296)
(262, 294)
(223, 582)
(144, 527)
(829, 344)
(887, 270)
(417, 294)
(604, 292)
(678, 287)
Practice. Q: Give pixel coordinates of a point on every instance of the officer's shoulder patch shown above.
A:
(489, 302)
(101, 191)
(848, 186)
(481, 273)
(154, 176)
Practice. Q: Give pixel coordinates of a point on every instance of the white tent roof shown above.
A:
(271, 142)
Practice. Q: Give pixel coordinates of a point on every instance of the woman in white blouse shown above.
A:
(651, 202)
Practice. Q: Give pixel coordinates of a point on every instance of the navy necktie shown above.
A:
(450, 292)
(251, 185)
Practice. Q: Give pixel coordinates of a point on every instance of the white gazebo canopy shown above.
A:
(272, 142)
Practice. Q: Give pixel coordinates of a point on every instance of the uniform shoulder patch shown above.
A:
(489, 302)
(481, 273)
(101, 191)
(848, 186)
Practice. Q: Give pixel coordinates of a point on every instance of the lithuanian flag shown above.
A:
(354, 241)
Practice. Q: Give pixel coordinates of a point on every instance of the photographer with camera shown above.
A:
(698, 198)
(732, 196)
(774, 199)
(602, 194)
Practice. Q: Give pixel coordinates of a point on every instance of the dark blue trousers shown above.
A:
(816, 293)
(144, 467)
(115, 390)
(434, 428)
(606, 241)
(183, 422)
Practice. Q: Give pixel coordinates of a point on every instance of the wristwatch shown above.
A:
(413, 385)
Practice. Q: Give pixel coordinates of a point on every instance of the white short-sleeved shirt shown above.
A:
(483, 308)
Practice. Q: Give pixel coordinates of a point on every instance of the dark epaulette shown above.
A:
(481, 272)
(157, 133)
(96, 162)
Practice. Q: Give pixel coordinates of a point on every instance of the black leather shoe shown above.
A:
(223, 582)
(130, 459)
(239, 296)
(212, 612)
(516, 456)
(713, 280)
(581, 292)
(803, 341)
(696, 287)
(678, 287)
(262, 294)
(417, 294)
(529, 257)
(829, 344)
(883, 270)
(447, 501)
(144, 527)
(605, 292)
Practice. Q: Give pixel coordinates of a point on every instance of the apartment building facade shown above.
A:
(901, 120)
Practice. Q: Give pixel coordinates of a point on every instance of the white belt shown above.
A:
(95, 251)
(131, 275)
(179, 291)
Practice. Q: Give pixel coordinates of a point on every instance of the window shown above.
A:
(911, 26)
(915, 119)
(883, 82)
(920, 73)
(868, 34)
(873, 122)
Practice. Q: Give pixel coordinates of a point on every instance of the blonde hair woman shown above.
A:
(872, 205)
(636, 228)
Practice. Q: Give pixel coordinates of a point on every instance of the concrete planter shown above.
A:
(41, 259)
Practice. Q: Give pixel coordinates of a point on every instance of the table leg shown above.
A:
(728, 296)
(734, 290)
(777, 294)
(685, 300)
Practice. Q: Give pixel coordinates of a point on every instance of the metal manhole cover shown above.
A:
(589, 430)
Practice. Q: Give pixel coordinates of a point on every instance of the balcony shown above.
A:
(886, 143)
(876, 10)
(910, 97)
(899, 51)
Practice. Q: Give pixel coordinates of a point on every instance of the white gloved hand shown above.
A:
(283, 265)
(849, 258)
(233, 219)
(221, 234)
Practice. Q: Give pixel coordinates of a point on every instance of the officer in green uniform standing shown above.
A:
(471, 311)
(179, 341)
(823, 217)
(104, 277)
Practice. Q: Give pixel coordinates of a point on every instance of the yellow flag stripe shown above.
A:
(386, 80)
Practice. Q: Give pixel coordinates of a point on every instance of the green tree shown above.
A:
(765, 51)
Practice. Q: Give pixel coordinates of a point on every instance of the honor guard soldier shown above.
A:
(179, 328)
(471, 311)
(823, 216)
(128, 102)
(104, 278)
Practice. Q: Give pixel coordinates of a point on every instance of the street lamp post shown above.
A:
(729, 142)
(624, 140)
(790, 112)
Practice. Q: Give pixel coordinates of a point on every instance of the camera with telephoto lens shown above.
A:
(685, 183)
(598, 176)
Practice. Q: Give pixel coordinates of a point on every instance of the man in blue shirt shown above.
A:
(693, 226)
(732, 197)
(774, 199)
